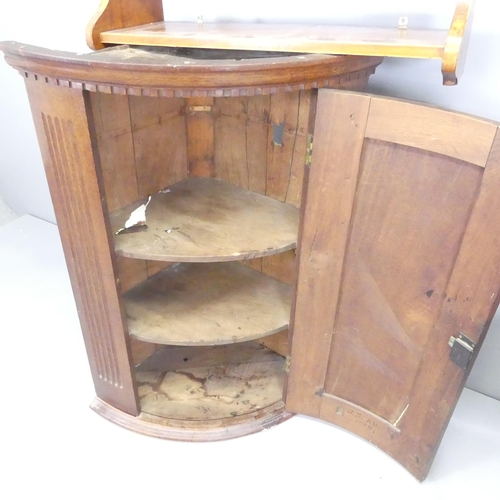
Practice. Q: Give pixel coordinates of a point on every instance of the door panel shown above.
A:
(406, 231)
(399, 252)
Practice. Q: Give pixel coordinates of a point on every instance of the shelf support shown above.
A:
(116, 14)
(457, 43)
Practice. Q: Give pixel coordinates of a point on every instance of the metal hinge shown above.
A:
(462, 348)
(287, 364)
(309, 150)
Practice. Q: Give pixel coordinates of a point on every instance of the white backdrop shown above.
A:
(60, 24)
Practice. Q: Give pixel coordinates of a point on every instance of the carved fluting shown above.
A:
(65, 157)
(332, 82)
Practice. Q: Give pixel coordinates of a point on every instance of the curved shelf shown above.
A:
(207, 304)
(208, 220)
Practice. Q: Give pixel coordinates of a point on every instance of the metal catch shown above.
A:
(462, 348)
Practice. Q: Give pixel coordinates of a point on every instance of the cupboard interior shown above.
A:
(149, 144)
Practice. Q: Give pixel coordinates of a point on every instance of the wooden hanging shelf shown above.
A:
(448, 45)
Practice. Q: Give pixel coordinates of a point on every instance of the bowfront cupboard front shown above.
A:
(321, 252)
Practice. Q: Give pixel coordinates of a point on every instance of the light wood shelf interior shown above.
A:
(202, 384)
(208, 220)
(449, 45)
(315, 38)
(207, 304)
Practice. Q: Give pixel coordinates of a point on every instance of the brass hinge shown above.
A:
(462, 348)
(309, 150)
(287, 364)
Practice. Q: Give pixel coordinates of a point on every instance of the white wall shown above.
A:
(61, 24)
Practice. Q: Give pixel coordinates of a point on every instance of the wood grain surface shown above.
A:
(113, 14)
(459, 136)
(162, 73)
(449, 45)
(419, 265)
(321, 257)
(207, 304)
(207, 220)
(64, 125)
(314, 38)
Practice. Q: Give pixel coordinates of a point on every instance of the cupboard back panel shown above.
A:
(260, 144)
(142, 148)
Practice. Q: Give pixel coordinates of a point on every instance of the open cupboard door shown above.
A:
(399, 270)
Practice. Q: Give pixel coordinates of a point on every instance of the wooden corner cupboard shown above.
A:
(298, 250)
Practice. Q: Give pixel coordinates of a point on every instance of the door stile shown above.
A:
(323, 254)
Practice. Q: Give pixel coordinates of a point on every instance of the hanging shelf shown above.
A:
(143, 24)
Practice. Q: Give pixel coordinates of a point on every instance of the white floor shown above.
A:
(53, 446)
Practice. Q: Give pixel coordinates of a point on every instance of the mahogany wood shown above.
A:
(419, 262)
(322, 252)
(141, 72)
(141, 143)
(185, 430)
(463, 137)
(65, 133)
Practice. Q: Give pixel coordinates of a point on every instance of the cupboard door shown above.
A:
(399, 255)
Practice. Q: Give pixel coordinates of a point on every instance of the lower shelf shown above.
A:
(206, 393)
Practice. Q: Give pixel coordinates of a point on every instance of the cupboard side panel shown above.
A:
(64, 131)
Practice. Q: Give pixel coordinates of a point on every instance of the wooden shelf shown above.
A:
(314, 38)
(207, 304)
(208, 220)
(448, 45)
(193, 385)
